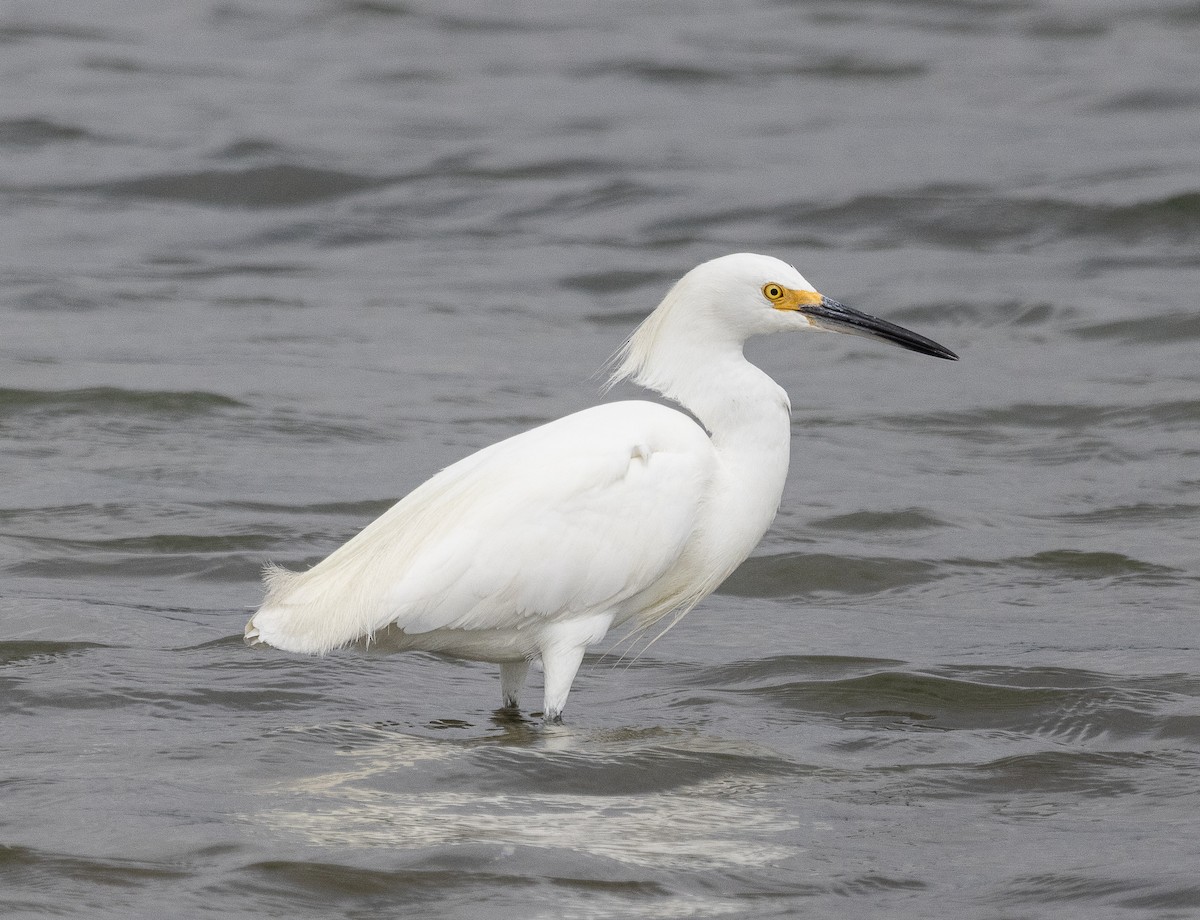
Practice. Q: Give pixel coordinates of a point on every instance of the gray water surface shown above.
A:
(266, 267)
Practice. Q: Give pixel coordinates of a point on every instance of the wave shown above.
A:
(796, 574)
(990, 424)
(1067, 705)
(800, 575)
(970, 217)
(1169, 328)
(279, 185)
(39, 132)
(694, 73)
(975, 217)
(35, 651)
(93, 400)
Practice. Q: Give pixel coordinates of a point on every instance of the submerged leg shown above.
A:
(512, 679)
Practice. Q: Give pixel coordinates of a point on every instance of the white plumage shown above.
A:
(536, 546)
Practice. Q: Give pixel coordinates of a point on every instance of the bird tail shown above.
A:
(291, 621)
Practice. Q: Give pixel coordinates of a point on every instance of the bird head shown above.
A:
(713, 309)
(756, 295)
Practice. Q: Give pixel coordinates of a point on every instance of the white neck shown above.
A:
(748, 417)
(700, 365)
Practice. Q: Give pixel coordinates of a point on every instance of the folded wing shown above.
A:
(575, 517)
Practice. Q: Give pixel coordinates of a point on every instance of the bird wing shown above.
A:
(572, 517)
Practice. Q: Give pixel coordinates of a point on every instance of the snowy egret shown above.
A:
(631, 511)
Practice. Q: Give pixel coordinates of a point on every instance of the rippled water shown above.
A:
(268, 266)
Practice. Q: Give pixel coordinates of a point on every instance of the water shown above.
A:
(268, 266)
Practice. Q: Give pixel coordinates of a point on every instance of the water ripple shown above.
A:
(973, 217)
(1068, 706)
(281, 185)
(93, 400)
(39, 132)
(796, 574)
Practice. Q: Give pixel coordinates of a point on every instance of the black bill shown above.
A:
(836, 317)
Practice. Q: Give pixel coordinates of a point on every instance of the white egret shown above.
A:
(631, 511)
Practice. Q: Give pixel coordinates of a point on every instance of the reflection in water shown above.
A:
(408, 792)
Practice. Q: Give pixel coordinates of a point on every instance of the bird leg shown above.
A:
(558, 672)
(512, 679)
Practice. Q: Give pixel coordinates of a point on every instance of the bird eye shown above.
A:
(773, 292)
